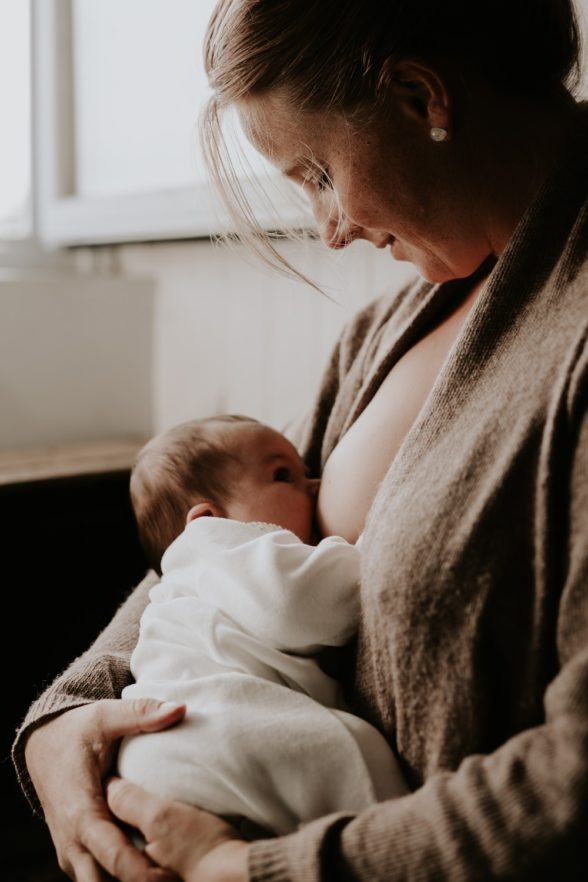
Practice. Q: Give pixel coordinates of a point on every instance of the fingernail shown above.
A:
(168, 706)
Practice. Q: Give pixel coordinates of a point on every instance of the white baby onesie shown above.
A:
(231, 630)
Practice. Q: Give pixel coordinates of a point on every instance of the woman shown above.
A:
(454, 413)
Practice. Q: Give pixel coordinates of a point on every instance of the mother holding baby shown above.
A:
(451, 424)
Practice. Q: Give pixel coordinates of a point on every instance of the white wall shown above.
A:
(144, 336)
(75, 359)
(232, 336)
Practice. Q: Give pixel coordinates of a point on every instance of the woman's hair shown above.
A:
(334, 54)
(330, 53)
(187, 464)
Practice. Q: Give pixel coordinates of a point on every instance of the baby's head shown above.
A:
(225, 466)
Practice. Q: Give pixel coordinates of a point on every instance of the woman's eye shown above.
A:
(324, 182)
(283, 474)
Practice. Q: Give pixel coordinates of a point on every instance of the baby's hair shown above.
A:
(178, 468)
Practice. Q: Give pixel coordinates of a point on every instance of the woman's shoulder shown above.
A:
(392, 307)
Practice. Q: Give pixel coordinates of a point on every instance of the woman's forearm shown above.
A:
(101, 672)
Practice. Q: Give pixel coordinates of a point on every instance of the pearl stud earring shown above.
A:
(438, 134)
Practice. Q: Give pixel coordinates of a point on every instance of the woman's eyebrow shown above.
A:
(295, 169)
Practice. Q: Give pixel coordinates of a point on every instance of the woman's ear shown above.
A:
(419, 91)
(205, 510)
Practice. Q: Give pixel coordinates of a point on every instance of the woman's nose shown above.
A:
(336, 229)
(342, 234)
(377, 238)
(339, 232)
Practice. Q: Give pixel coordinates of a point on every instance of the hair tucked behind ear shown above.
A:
(332, 54)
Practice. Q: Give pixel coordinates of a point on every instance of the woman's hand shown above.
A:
(67, 759)
(197, 846)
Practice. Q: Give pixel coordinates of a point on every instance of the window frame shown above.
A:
(62, 217)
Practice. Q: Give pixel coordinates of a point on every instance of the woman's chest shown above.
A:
(463, 564)
(358, 464)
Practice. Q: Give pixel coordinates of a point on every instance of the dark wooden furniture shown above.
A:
(70, 557)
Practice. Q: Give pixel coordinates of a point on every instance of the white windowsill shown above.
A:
(168, 214)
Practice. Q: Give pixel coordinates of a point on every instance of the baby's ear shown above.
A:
(205, 510)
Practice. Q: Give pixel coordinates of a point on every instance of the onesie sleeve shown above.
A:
(101, 672)
(291, 596)
(519, 813)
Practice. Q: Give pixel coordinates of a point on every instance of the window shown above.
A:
(15, 104)
(138, 73)
(120, 89)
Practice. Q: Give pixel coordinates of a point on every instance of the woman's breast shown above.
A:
(360, 460)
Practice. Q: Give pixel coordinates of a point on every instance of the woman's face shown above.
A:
(385, 181)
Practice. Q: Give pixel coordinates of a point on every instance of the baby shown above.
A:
(225, 513)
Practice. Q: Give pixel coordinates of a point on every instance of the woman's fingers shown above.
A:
(186, 839)
(113, 718)
(83, 868)
(118, 717)
(122, 860)
(67, 758)
(131, 804)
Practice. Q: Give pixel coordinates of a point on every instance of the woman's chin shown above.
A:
(437, 267)
(436, 272)
(430, 268)
(434, 275)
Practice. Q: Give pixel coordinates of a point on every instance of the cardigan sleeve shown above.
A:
(519, 813)
(101, 672)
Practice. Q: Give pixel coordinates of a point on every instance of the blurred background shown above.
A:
(120, 315)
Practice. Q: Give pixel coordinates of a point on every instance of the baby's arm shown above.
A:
(292, 596)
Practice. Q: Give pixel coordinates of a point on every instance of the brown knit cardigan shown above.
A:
(472, 655)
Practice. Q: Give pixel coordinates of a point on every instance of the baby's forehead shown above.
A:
(259, 439)
(228, 436)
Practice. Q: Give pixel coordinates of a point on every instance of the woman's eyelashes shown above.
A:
(318, 179)
(324, 182)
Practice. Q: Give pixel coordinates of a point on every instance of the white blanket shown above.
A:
(231, 630)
